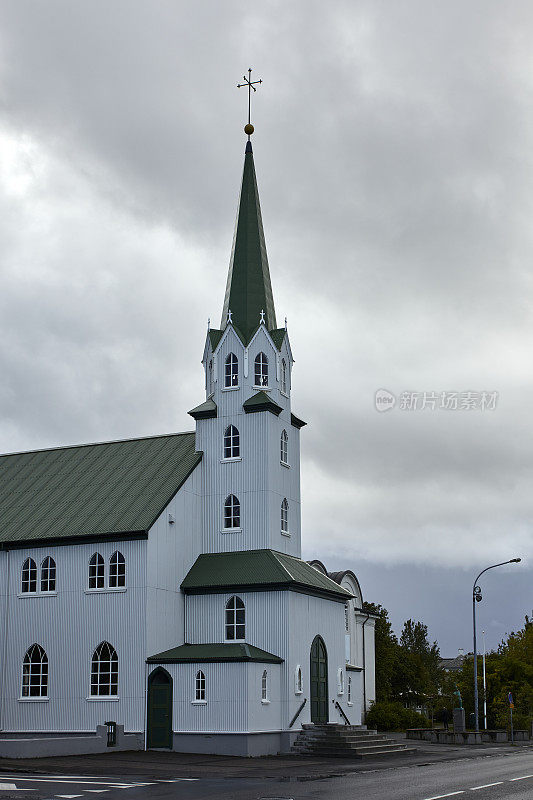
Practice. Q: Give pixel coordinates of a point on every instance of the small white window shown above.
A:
(284, 516)
(283, 376)
(235, 619)
(117, 570)
(349, 690)
(104, 671)
(210, 378)
(35, 672)
(261, 370)
(264, 687)
(48, 575)
(298, 682)
(340, 681)
(231, 373)
(284, 447)
(232, 513)
(199, 687)
(96, 572)
(29, 576)
(232, 444)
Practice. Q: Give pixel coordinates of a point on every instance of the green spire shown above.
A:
(249, 291)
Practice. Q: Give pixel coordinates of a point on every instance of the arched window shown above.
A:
(261, 370)
(298, 681)
(284, 447)
(117, 570)
(35, 672)
(349, 689)
(284, 516)
(231, 374)
(104, 671)
(232, 445)
(340, 681)
(48, 575)
(29, 576)
(232, 513)
(96, 572)
(235, 619)
(199, 686)
(283, 376)
(264, 687)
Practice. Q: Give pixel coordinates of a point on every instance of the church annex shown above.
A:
(158, 582)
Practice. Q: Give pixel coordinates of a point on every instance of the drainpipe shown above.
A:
(364, 667)
(4, 656)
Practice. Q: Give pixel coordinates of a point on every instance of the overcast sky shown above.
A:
(393, 152)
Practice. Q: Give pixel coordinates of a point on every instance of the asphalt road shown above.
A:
(492, 777)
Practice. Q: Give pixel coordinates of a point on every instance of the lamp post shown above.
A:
(484, 685)
(476, 598)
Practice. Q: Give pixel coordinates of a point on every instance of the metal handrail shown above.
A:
(293, 720)
(339, 708)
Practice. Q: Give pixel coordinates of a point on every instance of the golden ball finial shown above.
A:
(248, 129)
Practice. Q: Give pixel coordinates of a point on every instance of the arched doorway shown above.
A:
(159, 709)
(319, 681)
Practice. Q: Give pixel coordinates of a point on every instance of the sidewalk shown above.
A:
(161, 764)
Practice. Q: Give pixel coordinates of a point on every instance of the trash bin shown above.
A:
(111, 733)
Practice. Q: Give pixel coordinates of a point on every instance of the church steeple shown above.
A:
(248, 290)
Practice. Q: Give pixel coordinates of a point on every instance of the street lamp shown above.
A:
(476, 598)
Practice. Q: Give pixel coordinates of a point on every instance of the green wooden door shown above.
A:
(319, 681)
(159, 709)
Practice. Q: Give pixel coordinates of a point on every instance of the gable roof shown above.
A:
(91, 490)
(258, 570)
(261, 401)
(217, 651)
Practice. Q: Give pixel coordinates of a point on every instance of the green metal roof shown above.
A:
(257, 570)
(278, 337)
(92, 490)
(214, 337)
(248, 289)
(260, 401)
(297, 422)
(204, 410)
(187, 653)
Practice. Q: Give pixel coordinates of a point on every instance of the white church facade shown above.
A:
(158, 582)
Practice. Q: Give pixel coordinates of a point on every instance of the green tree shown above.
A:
(386, 645)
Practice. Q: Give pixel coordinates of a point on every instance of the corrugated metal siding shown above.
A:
(226, 688)
(69, 626)
(258, 480)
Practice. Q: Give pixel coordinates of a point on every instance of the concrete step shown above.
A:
(331, 747)
(357, 754)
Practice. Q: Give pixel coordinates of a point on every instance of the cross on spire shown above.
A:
(249, 128)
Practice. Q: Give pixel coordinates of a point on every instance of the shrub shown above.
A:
(389, 716)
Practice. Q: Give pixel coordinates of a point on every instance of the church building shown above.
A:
(154, 588)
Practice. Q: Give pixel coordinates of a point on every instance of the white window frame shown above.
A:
(232, 444)
(32, 667)
(340, 681)
(233, 504)
(98, 676)
(284, 514)
(29, 570)
(232, 627)
(284, 448)
(99, 567)
(261, 371)
(231, 372)
(117, 571)
(298, 680)
(265, 700)
(200, 695)
(48, 568)
(283, 376)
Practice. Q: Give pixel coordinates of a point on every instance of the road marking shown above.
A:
(69, 796)
(97, 791)
(521, 778)
(485, 786)
(177, 780)
(89, 783)
(13, 787)
(450, 794)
